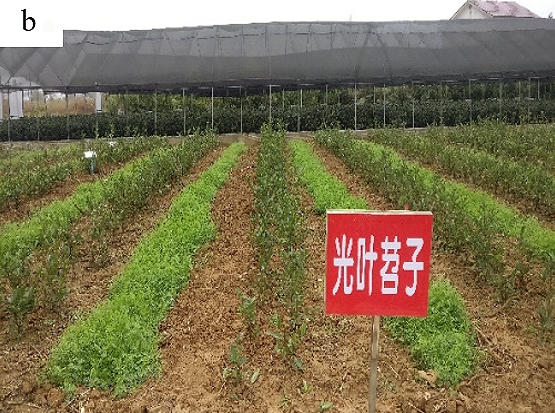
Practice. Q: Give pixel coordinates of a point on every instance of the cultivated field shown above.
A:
(188, 276)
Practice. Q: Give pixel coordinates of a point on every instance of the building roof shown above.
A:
(503, 8)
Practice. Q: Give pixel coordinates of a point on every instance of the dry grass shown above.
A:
(75, 105)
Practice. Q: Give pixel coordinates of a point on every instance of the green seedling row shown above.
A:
(443, 341)
(328, 192)
(516, 181)
(116, 345)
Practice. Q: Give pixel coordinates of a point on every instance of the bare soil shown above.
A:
(516, 374)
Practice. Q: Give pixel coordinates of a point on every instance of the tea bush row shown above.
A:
(279, 237)
(35, 175)
(467, 221)
(515, 180)
(227, 119)
(530, 143)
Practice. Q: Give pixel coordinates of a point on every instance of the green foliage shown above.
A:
(443, 340)
(279, 235)
(17, 291)
(52, 281)
(524, 176)
(328, 192)
(110, 201)
(116, 346)
(546, 310)
(278, 221)
(325, 406)
(457, 209)
(32, 174)
(235, 372)
(247, 308)
(287, 339)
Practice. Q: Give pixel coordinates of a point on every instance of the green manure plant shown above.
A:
(443, 341)
(328, 192)
(116, 347)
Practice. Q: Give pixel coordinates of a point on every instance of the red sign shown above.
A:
(378, 263)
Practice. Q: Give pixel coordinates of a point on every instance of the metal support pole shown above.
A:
(500, 99)
(184, 112)
(241, 100)
(270, 100)
(384, 105)
(37, 114)
(355, 106)
(155, 112)
(374, 109)
(441, 107)
(67, 116)
(470, 99)
(125, 108)
(528, 99)
(9, 116)
(212, 107)
(326, 101)
(299, 111)
(95, 120)
(412, 93)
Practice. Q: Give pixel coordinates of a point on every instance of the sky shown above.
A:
(39, 23)
(131, 15)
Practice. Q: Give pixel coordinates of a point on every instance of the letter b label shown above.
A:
(27, 20)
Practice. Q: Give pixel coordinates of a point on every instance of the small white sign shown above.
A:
(90, 154)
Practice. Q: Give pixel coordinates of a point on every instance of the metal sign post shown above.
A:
(378, 264)
(372, 394)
